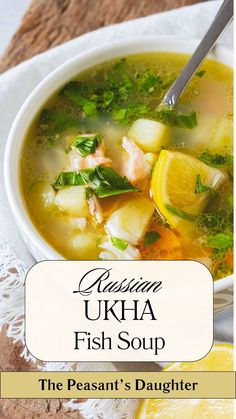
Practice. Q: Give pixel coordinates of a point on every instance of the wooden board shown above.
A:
(46, 24)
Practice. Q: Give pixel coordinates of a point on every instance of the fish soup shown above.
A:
(108, 173)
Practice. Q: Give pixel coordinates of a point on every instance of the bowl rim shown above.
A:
(51, 83)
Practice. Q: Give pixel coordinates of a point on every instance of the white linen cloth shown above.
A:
(15, 85)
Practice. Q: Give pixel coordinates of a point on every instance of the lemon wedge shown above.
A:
(174, 181)
(220, 358)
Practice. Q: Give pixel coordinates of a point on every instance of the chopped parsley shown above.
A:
(200, 73)
(53, 121)
(149, 82)
(71, 179)
(103, 180)
(86, 144)
(72, 92)
(220, 241)
(216, 160)
(172, 118)
(200, 187)
(180, 213)
(151, 237)
(119, 243)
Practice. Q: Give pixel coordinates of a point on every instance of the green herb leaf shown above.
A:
(119, 243)
(109, 183)
(216, 160)
(180, 213)
(126, 82)
(68, 179)
(200, 73)
(151, 237)
(200, 187)
(104, 181)
(187, 121)
(170, 117)
(53, 121)
(149, 81)
(119, 114)
(220, 241)
(167, 116)
(86, 144)
(137, 110)
(108, 97)
(72, 92)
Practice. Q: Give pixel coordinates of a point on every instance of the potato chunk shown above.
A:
(43, 194)
(130, 221)
(84, 245)
(222, 135)
(149, 135)
(73, 201)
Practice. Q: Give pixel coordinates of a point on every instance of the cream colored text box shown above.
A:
(119, 311)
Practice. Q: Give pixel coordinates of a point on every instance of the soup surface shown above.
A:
(108, 173)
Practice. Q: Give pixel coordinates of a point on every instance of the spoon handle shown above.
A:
(219, 24)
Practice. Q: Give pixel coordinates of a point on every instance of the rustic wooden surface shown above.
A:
(46, 24)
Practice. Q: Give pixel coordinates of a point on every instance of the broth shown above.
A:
(107, 173)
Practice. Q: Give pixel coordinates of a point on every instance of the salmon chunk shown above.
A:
(135, 167)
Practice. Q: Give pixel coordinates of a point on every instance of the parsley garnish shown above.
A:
(151, 237)
(72, 92)
(72, 179)
(119, 114)
(119, 243)
(200, 187)
(108, 97)
(53, 121)
(220, 241)
(200, 73)
(216, 160)
(86, 144)
(149, 81)
(103, 180)
(180, 213)
(170, 117)
(187, 121)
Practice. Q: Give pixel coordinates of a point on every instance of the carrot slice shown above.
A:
(230, 259)
(167, 247)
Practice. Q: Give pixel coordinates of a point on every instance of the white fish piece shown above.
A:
(111, 252)
(130, 221)
(95, 208)
(135, 166)
(77, 162)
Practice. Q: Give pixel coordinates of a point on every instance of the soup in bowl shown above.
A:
(106, 172)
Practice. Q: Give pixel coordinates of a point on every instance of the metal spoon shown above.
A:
(219, 24)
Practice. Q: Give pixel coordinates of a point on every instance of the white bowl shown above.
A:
(34, 103)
